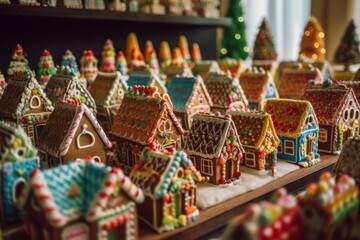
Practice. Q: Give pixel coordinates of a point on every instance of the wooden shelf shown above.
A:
(85, 14)
(213, 218)
(217, 216)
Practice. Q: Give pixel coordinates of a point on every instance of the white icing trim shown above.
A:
(85, 132)
(38, 100)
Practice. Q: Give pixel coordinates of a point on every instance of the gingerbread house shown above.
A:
(225, 92)
(66, 86)
(297, 127)
(349, 159)
(294, 81)
(205, 67)
(144, 77)
(259, 221)
(329, 207)
(338, 113)
(258, 86)
(189, 96)
(3, 84)
(25, 103)
(108, 91)
(234, 66)
(72, 132)
(258, 138)
(156, 124)
(214, 147)
(81, 200)
(170, 195)
(18, 157)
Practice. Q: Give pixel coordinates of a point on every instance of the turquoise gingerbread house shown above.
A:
(297, 128)
(18, 158)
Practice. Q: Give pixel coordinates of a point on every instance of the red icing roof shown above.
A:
(288, 115)
(329, 103)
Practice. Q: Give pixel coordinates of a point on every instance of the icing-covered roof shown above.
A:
(59, 131)
(15, 100)
(224, 90)
(330, 102)
(155, 174)
(207, 135)
(184, 90)
(67, 192)
(252, 128)
(294, 81)
(68, 87)
(145, 79)
(104, 87)
(140, 114)
(288, 115)
(254, 84)
(355, 85)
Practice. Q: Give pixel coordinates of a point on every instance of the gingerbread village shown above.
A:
(92, 152)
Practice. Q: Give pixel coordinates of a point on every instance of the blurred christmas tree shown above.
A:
(234, 44)
(312, 44)
(348, 52)
(264, 48)
(46, 68)
(108, 57)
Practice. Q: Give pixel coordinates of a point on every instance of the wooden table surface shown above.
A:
(217, 216)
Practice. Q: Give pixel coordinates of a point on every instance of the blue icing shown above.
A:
(60, 181)
(94, 178)
(10, 174)
(138, 80)
(180, 90)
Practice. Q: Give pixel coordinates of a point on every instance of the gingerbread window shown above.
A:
(17, 188)
(323, 135)
(35, 102)
(250, 159)
(289, 147)
(207, 167)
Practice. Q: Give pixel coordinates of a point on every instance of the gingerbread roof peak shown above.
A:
(224, 89)
(255, 83)
(74, 190)
(296, 112)
(15, 101)
(165, 165)
(252, 127)
(59, 131)
(330, 101)
(129, 124)
(184, 90)
(208, 133)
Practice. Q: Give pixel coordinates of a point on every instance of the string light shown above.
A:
(314, 56)
(223, 51)
(241, 19)
(307, 33)
(316, 45)
(323, 50)
(321, 34)
(246, 49)
(237, 36)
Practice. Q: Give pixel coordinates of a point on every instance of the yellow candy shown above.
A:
(311, 189)
(323, 186)
(275, 212)
(34, 91)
